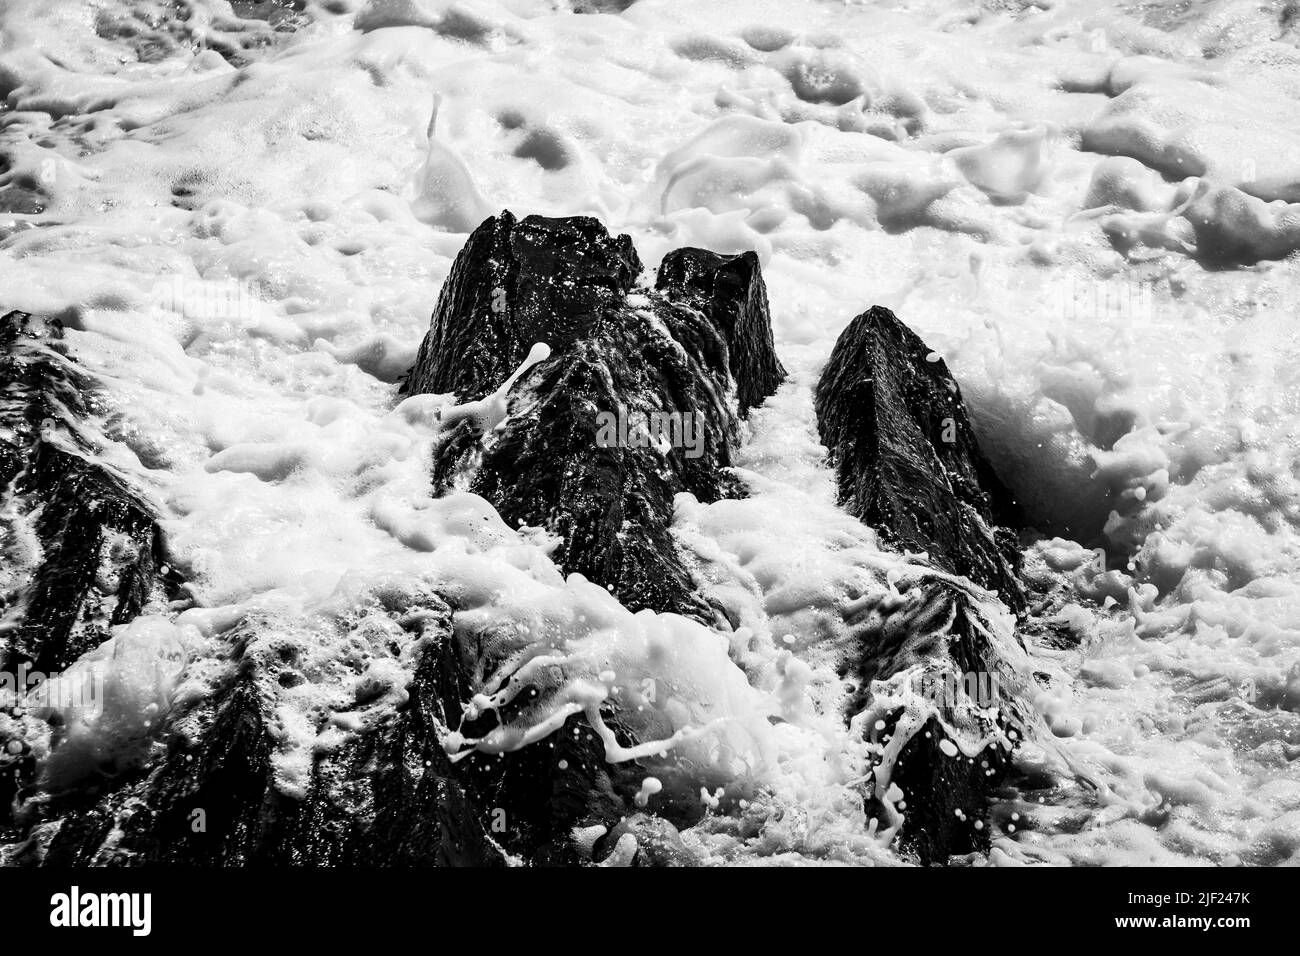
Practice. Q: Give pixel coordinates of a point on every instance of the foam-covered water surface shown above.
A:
(243, 214)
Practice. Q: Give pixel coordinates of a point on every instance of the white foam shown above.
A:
(1037, 191)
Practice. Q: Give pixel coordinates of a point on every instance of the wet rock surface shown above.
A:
(638, 401)
(573, 451)
(730, 291)
(101, 557)
(947, 740)
(389, 795)
(908, 465)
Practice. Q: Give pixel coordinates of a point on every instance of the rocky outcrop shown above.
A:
(101, 554)
(80, 549)
(731, 292)
(948, 712)
(908, 465)
(565, 438)
(212, 788)
(639, 399)
(387, 795)
(905, 455)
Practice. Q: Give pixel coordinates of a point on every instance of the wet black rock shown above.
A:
(102, 555)
(961, 669)
(639, 400)
(389, 795)
(908, 465)
(731, 292)
(515, 283)
(906, 457)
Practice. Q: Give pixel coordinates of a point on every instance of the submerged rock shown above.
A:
(638, 401)
(383, 792)
(101, 554)
(215, 797)
(947, 711)
(905, 455)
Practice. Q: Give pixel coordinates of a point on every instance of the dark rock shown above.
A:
(531, 799)
(515, 283)
(607, 492)
(390, 796)
(909, 467)
(731, 292)
(906, 456)
(103, 555)
(965, 676)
